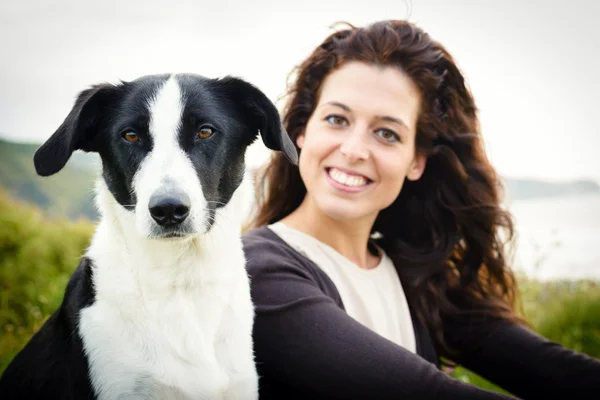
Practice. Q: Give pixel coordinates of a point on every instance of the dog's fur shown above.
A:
(156, 311)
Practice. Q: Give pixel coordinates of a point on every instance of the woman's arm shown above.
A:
(528, 365)
(305, 341)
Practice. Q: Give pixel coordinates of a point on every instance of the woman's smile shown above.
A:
(346, 181)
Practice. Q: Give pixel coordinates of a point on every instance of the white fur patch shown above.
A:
(172, 319)
(167, 165)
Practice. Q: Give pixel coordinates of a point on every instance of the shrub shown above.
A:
(37, 257)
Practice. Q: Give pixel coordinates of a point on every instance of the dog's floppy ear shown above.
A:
(264, 117)
(75, 133)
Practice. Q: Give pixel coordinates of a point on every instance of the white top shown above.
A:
(373, 297)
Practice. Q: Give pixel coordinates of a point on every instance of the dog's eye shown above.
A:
(131, 136)
(205, 132)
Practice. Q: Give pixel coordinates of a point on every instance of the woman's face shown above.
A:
(359, 144)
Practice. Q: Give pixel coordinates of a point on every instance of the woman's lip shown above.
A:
(344, 188)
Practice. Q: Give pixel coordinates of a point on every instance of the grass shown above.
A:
(38, 254)
(37, 257)
(567, 312)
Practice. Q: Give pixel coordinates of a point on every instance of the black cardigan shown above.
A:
(307, 347)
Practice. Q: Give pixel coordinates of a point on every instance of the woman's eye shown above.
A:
(387, 135)
(336, 120)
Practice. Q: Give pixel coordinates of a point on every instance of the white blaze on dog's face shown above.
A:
(167, 187)
(172, 146)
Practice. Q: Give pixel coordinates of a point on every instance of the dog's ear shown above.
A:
(264, 117)
(75, 133)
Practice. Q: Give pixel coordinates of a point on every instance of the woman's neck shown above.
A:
(350, 238)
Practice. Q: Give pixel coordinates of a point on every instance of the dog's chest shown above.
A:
(160, 348)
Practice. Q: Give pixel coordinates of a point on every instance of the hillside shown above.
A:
(69, 192)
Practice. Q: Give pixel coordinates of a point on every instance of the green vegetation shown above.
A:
(37, 257)
(38, 254)
(68, 193)
(567, 312)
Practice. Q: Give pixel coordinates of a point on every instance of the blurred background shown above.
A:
(532, 67)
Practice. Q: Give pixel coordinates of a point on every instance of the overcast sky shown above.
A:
(533, 66)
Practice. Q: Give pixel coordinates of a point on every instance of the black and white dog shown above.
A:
(159, 306)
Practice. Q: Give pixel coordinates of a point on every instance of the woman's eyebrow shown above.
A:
(337, 104)
(395, 120)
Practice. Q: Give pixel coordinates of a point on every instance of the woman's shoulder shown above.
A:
(263, 246)
(267, 254)
(265, 249)
(256, 236)
(262, 241)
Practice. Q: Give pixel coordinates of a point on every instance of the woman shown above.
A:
(384, 250)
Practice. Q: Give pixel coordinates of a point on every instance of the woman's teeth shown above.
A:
(345, 179)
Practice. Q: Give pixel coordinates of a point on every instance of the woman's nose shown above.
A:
(355, 146)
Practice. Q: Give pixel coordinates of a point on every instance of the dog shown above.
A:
(159, 306)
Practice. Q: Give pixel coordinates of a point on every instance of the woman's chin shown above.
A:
(344, 210)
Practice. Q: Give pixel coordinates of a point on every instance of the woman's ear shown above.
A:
(417, 168)
(300, 140)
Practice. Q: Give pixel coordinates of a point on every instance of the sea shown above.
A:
(558, 237)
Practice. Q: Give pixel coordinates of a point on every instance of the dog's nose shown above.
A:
(169, 210)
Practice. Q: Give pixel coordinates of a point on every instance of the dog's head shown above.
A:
(172, 146)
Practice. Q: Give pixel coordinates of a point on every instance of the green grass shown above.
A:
(567, 312)
(38, 254)
(37, 257)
